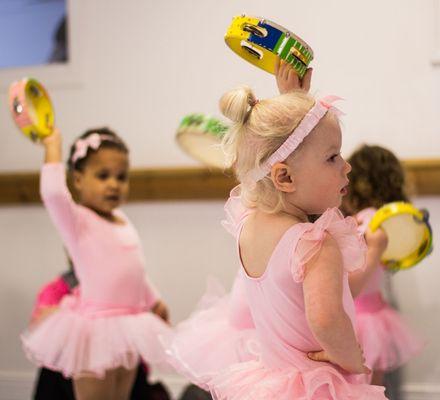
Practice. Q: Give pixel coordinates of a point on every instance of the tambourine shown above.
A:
(261, 41)
(31, 108)
(409, 234)
(200, 136)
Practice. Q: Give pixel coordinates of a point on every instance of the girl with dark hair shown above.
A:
(377, 178)
(98, 336)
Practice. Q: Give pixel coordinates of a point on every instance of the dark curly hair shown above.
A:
(376, 178)
(115, 143)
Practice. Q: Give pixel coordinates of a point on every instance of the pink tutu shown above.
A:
(209, 340)
(79, 343)
(253, 381)
(387, 340)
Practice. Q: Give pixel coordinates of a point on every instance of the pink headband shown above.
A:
(310, 120)
(92, 141)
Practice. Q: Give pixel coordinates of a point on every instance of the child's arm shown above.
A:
(377, 243)
(153, 301)
(54, 192)
(52, 146)
(288, 80)
(330, 324)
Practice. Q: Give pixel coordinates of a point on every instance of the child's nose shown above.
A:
(347, 167)
(113, 182)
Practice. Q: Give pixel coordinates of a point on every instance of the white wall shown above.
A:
(139, 66)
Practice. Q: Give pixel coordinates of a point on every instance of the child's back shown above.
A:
(276, 300)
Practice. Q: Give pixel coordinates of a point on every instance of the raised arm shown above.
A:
(52, 147)
(54, 192)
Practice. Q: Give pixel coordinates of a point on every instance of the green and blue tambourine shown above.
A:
(261, 42)
(200, 137)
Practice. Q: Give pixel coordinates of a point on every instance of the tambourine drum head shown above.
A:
(203, 147)
(405, 236)
(409, 234)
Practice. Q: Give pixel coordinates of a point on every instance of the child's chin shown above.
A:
(108, 209)
(110, 206)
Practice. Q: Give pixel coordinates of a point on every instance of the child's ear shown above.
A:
(282, 178)
(77, 178)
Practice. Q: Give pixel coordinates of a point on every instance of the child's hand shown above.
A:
(377, 240)
(161, 310)
(288, 80)
(322, 356)
(54, 139)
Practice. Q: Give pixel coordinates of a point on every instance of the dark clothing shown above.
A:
(52, 385)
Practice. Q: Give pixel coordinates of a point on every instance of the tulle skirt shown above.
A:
(254, 381)
(78, 343)
(387, 340)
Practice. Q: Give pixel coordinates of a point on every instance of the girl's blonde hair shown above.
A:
(258, 130)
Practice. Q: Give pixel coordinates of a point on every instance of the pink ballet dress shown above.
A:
(386, 338)
(277, 366)
(107, 323)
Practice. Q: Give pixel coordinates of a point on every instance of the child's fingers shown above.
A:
(284, 70)
(165, 314)
(293, 78)
(161, 310)
(277, 66)
(318, 356)
(55, 136)
(307, 79)
(279, 69)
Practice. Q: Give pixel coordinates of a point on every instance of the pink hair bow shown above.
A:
(92, 141)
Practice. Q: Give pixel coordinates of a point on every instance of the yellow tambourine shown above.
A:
(409, 234)
(200, 136)
(31, 108)
(261, 42)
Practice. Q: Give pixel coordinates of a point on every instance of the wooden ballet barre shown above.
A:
(195, 183)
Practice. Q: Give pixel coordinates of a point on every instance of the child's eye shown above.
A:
(122, 177)
(102, 175)
(333, 157)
